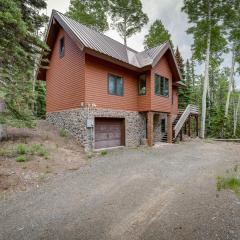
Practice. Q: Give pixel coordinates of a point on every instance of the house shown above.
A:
(107, 94)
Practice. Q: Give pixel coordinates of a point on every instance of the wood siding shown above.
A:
(96, 75)
(79, 77)
(65, 76)
(161, 103)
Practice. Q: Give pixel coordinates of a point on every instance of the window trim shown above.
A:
(115, 85)
(139, 94)
(62, 54)
(166, 96)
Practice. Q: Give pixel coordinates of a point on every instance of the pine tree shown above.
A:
(205, 17)
(90, 12)
(127, 16)
(157, 35)
(19, 46)
(180, 61)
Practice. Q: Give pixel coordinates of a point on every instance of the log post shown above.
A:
(169, 128)
(189, 126)
(150, 128)
(196, 117)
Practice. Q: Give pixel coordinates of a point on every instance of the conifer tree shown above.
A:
(92, 13)
(157, 35)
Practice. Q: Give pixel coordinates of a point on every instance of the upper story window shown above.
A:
(161, 86)
(62, 47)
(142, 84)
(115, 85)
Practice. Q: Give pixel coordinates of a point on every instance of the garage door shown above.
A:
(109, 132)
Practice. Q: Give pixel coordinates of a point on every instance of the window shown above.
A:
(161, 86)
(163, 125)
(115, 85)
(62, 47)
(142, 84)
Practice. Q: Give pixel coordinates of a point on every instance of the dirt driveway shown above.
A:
(163, 193)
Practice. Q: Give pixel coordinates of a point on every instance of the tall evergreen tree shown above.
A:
(90, 12)
(19, 45)
(180, 61)
(205, 18)
(157, 35)
(127, 16)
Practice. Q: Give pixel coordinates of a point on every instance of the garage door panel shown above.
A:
(109, 132)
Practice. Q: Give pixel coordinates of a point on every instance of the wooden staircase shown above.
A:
(180, 120)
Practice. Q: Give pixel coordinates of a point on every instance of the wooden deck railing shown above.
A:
(190, 109)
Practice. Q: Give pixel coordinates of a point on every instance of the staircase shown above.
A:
(180, 120)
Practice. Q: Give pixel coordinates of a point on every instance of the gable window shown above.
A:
(163, 125)
(115, 85)
(161, 86)
(142, 84)
(62, 47)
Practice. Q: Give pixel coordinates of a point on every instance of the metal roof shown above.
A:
(99, 42)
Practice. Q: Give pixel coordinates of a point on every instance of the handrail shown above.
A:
(190, 109)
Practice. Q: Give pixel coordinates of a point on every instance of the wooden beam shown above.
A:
(189, 126)
(150, 128)
(169, 128)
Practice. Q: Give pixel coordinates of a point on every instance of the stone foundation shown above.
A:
(75, 121)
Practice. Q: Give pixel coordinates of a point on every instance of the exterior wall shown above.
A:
(144, 102)
(65, 76)
(75, 122)
(160, 103)
(96, 75)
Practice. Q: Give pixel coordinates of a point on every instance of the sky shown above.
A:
(169, 11)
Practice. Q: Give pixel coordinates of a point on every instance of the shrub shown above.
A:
(21, 148)
(22, 158)
(104, 152)
(63, 132)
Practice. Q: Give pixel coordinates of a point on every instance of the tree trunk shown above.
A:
(230, 86)
(206, 82)
(235, 116)
(3, 131)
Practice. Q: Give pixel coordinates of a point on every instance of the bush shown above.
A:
(22, 158)
(63, 132)
(21, 148)
(104, 152)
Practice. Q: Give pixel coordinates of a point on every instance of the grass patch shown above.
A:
(39, 150)
(231, 180)
(22, 151)
(104, 153)
(21, 148)
(63, 132)
(22, 158)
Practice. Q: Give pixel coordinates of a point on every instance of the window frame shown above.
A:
(62, 45)
(139, 81)
(165, 80)
(115, 85)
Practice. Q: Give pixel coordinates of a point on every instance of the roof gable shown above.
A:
(92, 40)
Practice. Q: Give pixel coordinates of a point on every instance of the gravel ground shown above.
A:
(167, 192)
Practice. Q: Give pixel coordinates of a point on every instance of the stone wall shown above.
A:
(75, 121)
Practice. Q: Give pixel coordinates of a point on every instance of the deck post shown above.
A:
(150, 128)
(169, 128)
(196, 117)
(189, 126)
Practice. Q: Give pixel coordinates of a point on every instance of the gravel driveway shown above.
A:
(162, 193)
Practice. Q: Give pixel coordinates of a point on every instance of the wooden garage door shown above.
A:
(109, 132)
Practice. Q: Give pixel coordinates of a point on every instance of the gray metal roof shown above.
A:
(101, 43)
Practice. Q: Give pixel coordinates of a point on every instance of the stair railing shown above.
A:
(190, 109)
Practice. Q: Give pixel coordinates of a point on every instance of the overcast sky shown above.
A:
(169, 11)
